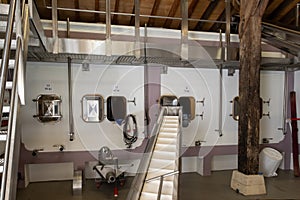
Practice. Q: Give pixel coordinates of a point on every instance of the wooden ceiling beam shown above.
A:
(214, 15)
(272, 6)
(192, 7)
(132, 18)
(206, 14)
(97, 8)
(77, 14)
(217, 26)
(282, 10)
(172, 13)
(199, 10)
(115, 18)
(289, 18)
(153, 12)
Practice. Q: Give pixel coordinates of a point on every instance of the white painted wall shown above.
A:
(108, 80)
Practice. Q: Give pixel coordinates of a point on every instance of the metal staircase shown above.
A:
(159, 169)
(15, 29)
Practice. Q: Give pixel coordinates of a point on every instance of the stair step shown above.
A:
(4, 9)
(166, 140)
(8, 85)
(167, 134)
(3, 137)
(153, 187)
(13, 44)
(152, 196)
(6, 109)
(154, 173)
(11, 63)
(165, 147)
(168, 129)
(163, 164)
(164, 155)
(170, 125)
(169, 117)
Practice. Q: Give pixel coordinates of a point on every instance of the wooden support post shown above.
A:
(249, 84)
(246, 180)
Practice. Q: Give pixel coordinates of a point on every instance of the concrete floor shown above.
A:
(193, 187)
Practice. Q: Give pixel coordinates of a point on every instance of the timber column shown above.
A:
(251, 13)
(249, 84)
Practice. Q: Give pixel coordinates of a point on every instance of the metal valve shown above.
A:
(267, 115)
(267, 102)
(201, 101)
(132, 101)
(200, 115)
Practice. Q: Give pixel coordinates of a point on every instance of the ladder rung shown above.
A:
(11, 63)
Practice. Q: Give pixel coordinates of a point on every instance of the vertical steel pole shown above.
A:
(137, 28)
(228, 20)
(184, 30)
(297, 14)
(55, 27)
(108, 29)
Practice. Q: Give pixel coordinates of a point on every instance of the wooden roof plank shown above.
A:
(282, 10)
(153, 12)
(206, 14)
(115, 17)
(198, 13)
(215, 14)
(175, 7)
(272, 6)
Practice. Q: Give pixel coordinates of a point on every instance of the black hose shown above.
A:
(130, 139)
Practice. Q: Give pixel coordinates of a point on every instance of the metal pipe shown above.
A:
(228, 19)
(297, 14)
(285, 100)
(161, 182)
(68, 27)
(144, 16)
(184, 30)
(221, 103)
(55, 27)
(108, 29)
(70, 89)
(137, 28)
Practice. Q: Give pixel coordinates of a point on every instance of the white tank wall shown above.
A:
(205, 83)
(128, 81)
(45, 78)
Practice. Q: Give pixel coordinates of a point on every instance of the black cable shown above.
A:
(130, 139)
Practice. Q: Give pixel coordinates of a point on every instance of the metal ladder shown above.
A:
(14, 24)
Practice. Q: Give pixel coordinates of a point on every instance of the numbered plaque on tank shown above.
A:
(92, 108)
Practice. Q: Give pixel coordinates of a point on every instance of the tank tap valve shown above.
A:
(71, 136)
(60, 147)
(35, 151)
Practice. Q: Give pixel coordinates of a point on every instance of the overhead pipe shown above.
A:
(137, 28)
(228, 19)
(108, 44)
(145, 16)
(55, 27)
(184, 30)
